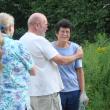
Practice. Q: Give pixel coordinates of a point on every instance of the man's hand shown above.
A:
(79, 53)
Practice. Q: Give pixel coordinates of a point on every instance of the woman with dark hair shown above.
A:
(72, 74)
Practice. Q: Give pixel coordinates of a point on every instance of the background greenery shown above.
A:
(97, 70)
(91, 20)
(89, 17)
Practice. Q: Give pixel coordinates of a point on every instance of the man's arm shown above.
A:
(59, 59)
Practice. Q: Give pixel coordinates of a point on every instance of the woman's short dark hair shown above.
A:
(64, 23)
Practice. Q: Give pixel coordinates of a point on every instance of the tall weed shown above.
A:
(97, 73)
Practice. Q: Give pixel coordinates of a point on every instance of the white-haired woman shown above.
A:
(15, 66)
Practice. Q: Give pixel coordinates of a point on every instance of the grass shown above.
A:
(97, 73)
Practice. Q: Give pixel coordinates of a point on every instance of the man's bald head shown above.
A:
(36, 18)
(38, 24)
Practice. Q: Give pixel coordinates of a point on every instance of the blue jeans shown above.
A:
(70, 100)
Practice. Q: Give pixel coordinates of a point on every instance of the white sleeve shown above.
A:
(47, 49)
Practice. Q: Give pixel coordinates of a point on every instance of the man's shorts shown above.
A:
(48, 102)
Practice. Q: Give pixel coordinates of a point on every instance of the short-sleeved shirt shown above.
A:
(68, 71)
(14, 77)
(47, 80)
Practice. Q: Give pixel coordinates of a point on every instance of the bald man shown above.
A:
(46, 85)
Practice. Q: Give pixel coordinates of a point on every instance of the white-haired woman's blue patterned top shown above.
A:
(15, 77)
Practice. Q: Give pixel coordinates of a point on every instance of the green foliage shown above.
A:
(97, 70)
(18, 33)
(89, 17)
(21, 10)
(102, 39)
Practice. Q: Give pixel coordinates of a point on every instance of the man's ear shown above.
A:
(36, 26)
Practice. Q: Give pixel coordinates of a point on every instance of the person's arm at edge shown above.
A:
(81, 79)
(83, 97)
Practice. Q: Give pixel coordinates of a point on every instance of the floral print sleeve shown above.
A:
(25, 57)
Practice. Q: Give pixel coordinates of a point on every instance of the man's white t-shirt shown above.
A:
(47, 80)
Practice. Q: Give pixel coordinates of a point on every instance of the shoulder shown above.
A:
(18, 46)
(43, 39)
(43, 42)
(9, 42)
(75, 45)
(53, 43)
